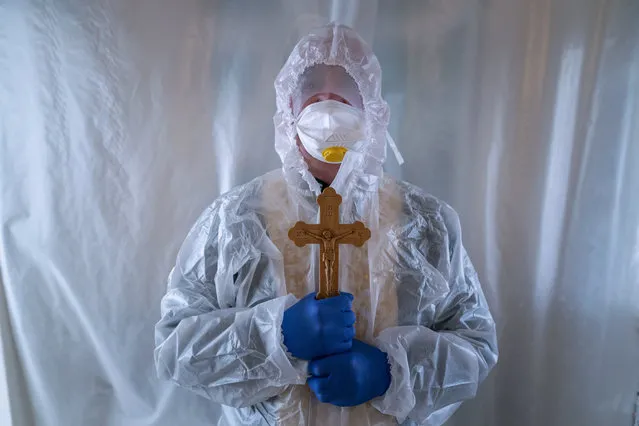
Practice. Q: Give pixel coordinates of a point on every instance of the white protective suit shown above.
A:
(417, 296)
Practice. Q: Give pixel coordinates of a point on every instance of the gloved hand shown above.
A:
(315, 328)
(350, 378)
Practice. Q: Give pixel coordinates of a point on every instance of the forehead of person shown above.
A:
(326, 82)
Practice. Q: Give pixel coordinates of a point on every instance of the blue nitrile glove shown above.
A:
(315, 328)
(350, 378)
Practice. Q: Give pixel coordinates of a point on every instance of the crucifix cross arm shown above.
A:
(303, 233)
(356, 234)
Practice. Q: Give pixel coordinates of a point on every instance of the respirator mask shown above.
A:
(328, 129)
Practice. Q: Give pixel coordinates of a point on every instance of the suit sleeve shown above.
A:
(232, 355)
(435, 368)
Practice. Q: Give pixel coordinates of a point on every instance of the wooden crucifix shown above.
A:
(329, 234)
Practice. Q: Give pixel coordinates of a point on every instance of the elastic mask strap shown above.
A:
(393, 145)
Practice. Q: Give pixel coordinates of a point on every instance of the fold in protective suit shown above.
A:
(417, 296)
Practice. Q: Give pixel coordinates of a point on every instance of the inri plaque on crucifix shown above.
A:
(329, 234)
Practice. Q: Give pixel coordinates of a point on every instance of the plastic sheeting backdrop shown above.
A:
(120, 121)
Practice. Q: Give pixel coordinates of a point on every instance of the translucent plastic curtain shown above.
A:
(121, 120)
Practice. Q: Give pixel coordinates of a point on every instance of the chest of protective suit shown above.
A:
(387, 279)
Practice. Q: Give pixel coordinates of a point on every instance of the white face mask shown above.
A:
(328, 129)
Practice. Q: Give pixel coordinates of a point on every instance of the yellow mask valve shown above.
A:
(334, 154)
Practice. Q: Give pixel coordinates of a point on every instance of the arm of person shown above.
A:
(434, 369)
(232, 355)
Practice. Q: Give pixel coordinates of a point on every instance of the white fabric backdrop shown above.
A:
(121, 120)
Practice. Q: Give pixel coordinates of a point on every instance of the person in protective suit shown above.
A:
(410, 336)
